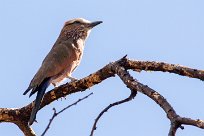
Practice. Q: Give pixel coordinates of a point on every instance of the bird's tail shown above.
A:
(40, 93)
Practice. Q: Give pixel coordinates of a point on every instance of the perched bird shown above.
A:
(62, 59)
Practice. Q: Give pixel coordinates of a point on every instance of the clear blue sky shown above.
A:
(169, 31)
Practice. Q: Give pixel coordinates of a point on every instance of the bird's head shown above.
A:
(78, 28)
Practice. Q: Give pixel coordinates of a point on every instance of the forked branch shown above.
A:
(21, 116)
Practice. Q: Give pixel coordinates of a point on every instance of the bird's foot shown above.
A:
(72, 78)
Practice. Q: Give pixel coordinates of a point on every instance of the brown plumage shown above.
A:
(62, 59)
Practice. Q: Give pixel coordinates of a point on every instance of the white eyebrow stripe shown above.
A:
(78, 19)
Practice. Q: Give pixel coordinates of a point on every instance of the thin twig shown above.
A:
(57, 113)
(132, 95)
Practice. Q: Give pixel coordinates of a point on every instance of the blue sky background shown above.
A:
(157, 30)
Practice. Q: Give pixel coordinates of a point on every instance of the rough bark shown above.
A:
(20, 116)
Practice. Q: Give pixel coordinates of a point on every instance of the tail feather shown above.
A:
(27, 90)
(40, 93)
(34, 90)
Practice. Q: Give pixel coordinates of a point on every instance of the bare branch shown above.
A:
(188, 121)
(26, 129)
(132, 95)
(48, 126)
(174, 127)
(21, 115)
(57, 113)
(176, 120)
(163, 67)
(135, 85)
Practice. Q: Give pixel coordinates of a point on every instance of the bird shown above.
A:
(61, 61)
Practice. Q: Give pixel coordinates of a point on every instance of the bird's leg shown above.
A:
(72, 78)
(69, 75)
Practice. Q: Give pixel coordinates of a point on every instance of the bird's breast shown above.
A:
(72, 63)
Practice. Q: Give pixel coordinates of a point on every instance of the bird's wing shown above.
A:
(57, 60)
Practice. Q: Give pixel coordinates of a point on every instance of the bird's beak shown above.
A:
(93, 24)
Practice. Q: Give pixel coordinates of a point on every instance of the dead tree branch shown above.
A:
(55, 114)
(175, 119)
(21, 116)
(132, 95)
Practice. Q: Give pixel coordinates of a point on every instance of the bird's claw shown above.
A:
(72, 79)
